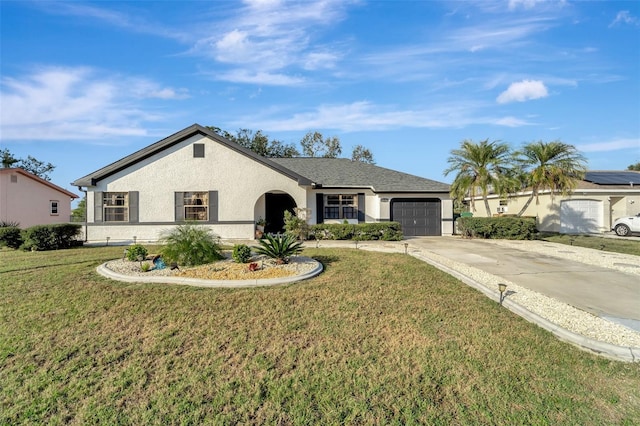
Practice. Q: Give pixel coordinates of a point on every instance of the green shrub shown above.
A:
(509, 228)
(280, 247)
(387, 231)
(50, 237)
(136, 252)
(10, 236)
(191, 245)
(295, 225)
(241, 253)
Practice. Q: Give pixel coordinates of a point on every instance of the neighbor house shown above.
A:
(598, 200)
(29, 200)
(197, 175)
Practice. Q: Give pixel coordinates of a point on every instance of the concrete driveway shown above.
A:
(604, 292)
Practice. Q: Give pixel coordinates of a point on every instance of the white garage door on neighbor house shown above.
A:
(581, 216)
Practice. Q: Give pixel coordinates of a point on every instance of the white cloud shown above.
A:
(261, 78)
(366, 116)
(624, 17)
(525, 4)
(76, 104)
(271, 37)
(611, 145)
(524, 90)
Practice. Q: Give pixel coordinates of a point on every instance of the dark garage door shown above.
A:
(418, 217)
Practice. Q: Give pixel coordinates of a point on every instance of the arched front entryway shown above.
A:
(275, 206)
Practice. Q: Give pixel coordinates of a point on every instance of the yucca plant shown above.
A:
(280, 247)
(191, 245)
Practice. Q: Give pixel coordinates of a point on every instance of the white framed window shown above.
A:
(196, 206)
(341, 206)
(53, 207)
(115, 206)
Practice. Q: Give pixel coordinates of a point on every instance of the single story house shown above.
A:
(598, 200)
(30, 200)
(197, 175)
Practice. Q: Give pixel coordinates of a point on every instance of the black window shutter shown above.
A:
(361, 215)
(213, 206)
(133, 206)
(97, 207)
(319, 207)
(179, 205)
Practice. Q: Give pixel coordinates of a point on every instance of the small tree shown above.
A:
(479, 168)
(315, 145)
(362, 154)
(555, 166)
(296, 224)
(30, 164)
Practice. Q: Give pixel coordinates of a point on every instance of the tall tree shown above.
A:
(259, 143)
(634, 167)
(480, 167)
(554, 166)
(315, 145)
(30, 164)
(79, 214)
(362, 154)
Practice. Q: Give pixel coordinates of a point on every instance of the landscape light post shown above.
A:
(502, 287)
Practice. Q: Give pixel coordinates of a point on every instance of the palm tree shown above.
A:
(555, 166)
(480, 167)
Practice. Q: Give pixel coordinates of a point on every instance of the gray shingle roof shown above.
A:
(342, 172)
(328, 172)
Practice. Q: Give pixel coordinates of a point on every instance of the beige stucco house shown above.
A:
(199, 176)
(598, 200)
(30, 200)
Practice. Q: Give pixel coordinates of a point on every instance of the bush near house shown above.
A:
(241, 253)
(191, 245)
(51, 237)
(508, 228)
(10, 236)
(386, 231)
(136, 251)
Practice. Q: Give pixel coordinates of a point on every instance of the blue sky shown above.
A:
(86, 83)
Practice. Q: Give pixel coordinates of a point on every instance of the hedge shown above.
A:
(10, 236)
(387, 231)
(505, 227)
(51, 237)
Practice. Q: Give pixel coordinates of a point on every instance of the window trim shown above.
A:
(111, 196)
(197, 208)
(346, 206)
(54, 208)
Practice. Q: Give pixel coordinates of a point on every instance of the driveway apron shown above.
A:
(603, 292)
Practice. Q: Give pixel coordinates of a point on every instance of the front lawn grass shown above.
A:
(376, 339)
(616, 245)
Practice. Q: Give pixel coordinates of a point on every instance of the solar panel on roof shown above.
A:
(613, 178)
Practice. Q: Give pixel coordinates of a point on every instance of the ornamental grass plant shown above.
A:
(191, 245)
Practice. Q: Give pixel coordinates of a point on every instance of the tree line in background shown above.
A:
(493, 167)
(30, 164)
(313, 144)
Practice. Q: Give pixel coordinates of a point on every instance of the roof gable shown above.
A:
(92, 178)
(39, 180)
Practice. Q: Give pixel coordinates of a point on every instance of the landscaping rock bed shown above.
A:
(225, 269)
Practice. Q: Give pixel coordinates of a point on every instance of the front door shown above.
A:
(275, 206)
